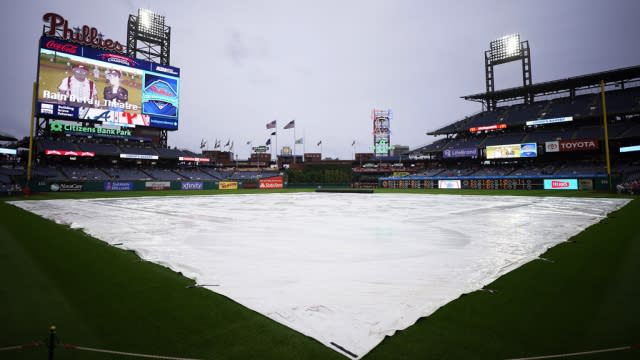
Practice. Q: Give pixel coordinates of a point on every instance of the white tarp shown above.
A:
(345, 269)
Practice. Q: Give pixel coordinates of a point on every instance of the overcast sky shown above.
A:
(328, 63)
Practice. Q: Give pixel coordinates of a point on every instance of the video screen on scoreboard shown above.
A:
(84, 83)
(512, 151)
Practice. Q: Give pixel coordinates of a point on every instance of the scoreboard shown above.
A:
(480, 184)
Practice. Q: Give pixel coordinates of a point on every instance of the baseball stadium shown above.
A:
(512, 235)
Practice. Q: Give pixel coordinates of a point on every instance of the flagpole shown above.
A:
(294, 142)
(304, 135)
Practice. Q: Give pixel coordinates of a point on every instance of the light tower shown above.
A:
(503, 50)
(148, 38)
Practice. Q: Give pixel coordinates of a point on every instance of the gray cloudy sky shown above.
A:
(327, 63)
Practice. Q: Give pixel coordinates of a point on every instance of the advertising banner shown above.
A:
(85, 83)
(561, 184)
(70, 153)
(191, 185)
(65, 187)
(118, 186)
(157, 185)
(276, 182)
(456, 153)
(449, 184)
(228, 185)
(139, 156)
(578, 145)
(549, 121)
(552, 146)
(512, 151)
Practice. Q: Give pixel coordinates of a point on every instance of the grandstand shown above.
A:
(566, 113)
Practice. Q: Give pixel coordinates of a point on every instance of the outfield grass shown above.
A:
(101, 296)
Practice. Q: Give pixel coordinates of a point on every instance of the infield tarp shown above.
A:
(345, 269)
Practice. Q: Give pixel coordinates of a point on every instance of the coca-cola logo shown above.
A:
(85, 35)
(68, 48)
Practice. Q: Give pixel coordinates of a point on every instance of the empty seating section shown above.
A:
(578, 169)
(467, 142)
(126, 174)
(101, 149)
(84, 173)
(581, 105)
(139, 150)
(164, 174)
(46, 144)
(588, 132)
(49, 172)
(542, 136)
(194, 174)
(493, 171)
(502, 139)
(170, 153)
(520, 114)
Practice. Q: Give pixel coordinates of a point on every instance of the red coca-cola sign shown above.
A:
(68, 48)
(84, 35)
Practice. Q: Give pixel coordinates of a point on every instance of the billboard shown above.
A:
(381, 132)
(118, 186)
(561, 184)
(228, 185)
(449, 184)
(512, 151)
(571, 145)
(275, 182)
(85, 83)
(455, 153)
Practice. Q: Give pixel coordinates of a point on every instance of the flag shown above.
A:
(353, 143)
(231, 147)
(300, 141)
(228, 142)
(271, 125)
(249, 142)
(290, 125)
(203, 144)
(268, 142)
(319, 143)
(273, 133)
(216, 144)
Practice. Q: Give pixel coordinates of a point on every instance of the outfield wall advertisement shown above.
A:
(561, 184)
(85, 83)
(276, 182)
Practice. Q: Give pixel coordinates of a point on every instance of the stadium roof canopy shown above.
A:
(620, 76)
(7, 137)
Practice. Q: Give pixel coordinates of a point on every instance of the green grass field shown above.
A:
(104, 297)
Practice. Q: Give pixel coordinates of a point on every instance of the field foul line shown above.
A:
(574, 354)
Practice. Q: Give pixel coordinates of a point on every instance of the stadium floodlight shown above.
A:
(150, 23)
(505, 49)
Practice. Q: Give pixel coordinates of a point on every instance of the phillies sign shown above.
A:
(84, 35)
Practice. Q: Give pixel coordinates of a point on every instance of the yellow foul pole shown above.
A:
(33, 115)
(606, 132)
